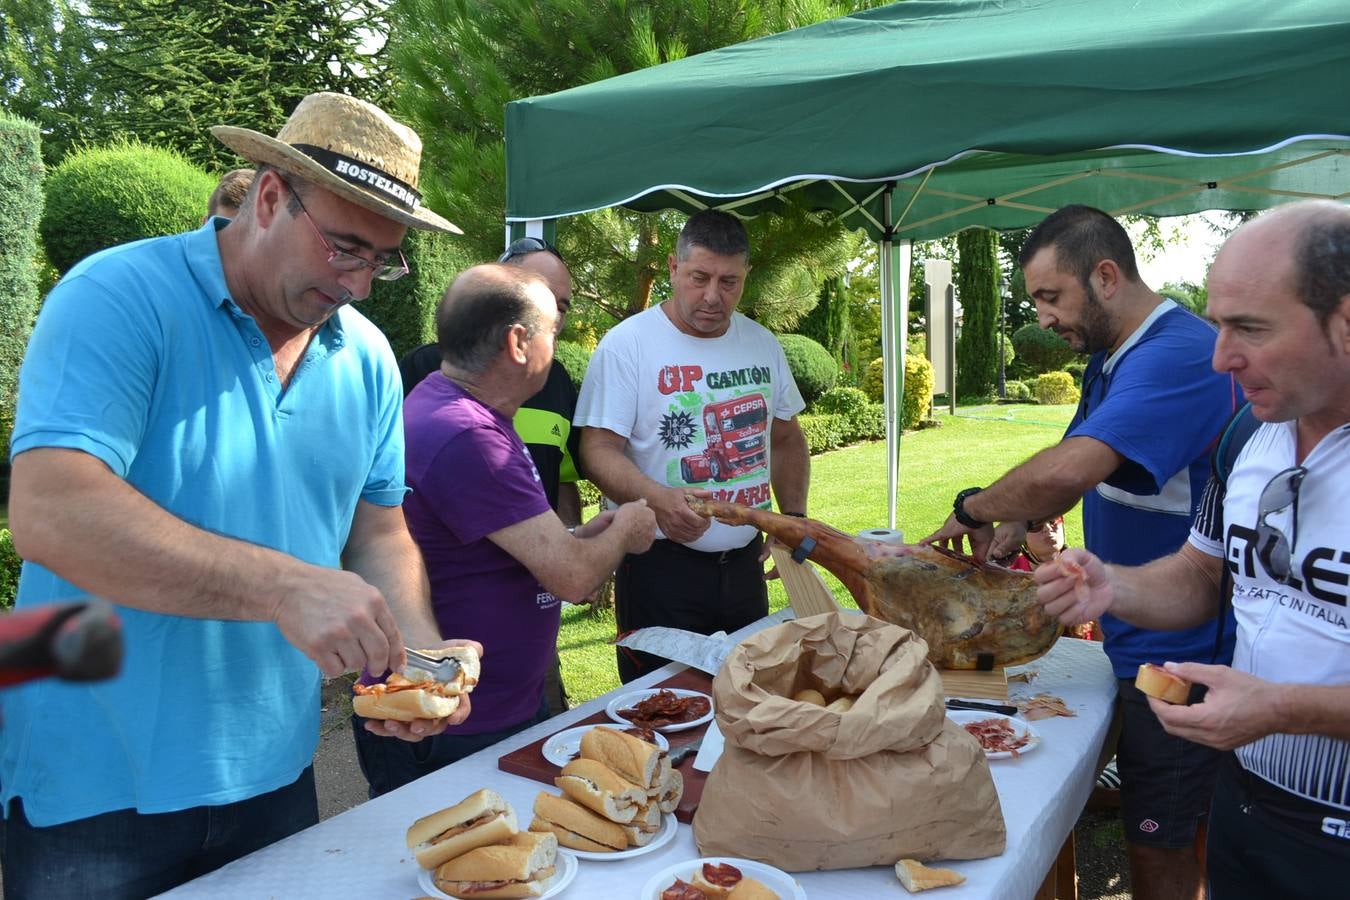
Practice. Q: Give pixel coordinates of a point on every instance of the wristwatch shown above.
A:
(959, 509)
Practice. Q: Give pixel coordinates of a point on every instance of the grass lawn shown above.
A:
(848, 490)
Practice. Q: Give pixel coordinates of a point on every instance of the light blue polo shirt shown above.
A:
(140, 358)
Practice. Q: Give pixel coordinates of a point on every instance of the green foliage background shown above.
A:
(977, 284)
(21, 173)
(405, 310)
(104, 196)
(812, 366)
(1040, 349)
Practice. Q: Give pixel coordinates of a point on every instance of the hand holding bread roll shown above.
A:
(416, 695)
(1155, 681)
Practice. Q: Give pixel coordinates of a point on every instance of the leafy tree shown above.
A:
(170, 69)
(21, 200)
(45, 77)
(462, 62)
(977, 287)
(1194, 297)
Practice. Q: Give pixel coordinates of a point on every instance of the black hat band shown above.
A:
(397, 192)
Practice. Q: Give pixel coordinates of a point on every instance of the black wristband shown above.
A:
(959, 509)
(795, 514)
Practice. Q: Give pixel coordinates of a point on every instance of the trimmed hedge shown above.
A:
(1017, 390)
(918, 401)
(1076, 369)
(1056, 387)
(20, 210)
(823, 432)
(812, 367)
(104, 196)
(1040, 349)
(405, 310)
(863, 420)
(574, 358)
(10, 563)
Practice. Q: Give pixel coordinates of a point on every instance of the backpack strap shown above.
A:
(1241, 426)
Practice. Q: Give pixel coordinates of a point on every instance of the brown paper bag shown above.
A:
(803, 788)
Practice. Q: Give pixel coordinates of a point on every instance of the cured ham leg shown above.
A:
(964, 610)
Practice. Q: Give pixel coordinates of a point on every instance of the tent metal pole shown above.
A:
(894, 317)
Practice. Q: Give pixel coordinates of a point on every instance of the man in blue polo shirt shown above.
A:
(1136, 453)
(211, 438)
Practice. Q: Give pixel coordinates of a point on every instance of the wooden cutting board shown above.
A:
(529, 760)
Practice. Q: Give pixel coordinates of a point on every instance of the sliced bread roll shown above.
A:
(915, 876)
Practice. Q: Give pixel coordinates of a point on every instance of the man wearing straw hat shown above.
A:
(211, 437)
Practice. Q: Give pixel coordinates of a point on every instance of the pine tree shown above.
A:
(977, 284)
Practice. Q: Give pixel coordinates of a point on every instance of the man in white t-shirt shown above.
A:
(1280, 823)
(688, 395)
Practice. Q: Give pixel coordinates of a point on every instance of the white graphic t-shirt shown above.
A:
(696, 411)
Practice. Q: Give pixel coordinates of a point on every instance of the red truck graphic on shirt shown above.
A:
(735, 432)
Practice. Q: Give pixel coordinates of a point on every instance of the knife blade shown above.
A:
(1002, 709)
(680, 755)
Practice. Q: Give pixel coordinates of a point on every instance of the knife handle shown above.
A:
(983, 707)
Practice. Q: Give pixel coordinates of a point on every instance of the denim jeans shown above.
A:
(390, 763)
(126, 854)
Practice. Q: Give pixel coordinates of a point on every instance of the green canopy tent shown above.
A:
(922, 118)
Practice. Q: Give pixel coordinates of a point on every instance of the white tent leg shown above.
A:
(895, 264)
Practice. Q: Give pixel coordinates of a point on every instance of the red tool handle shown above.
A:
(72, 641)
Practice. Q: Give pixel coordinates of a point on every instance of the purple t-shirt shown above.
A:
(470, 476)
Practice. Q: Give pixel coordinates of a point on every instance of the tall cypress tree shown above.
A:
(977, 278)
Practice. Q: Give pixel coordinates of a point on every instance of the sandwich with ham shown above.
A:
(644, 826)
(518, 868)
(668, 793)
(480, 819)
(415, 694)
(601, 790)
(645, 765)
(1155, 681)
(576, 826)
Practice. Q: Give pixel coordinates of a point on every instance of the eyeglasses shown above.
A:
(527, 245)
(1273, 549)
(350, 262)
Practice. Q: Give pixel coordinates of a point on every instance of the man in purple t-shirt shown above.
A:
(497, 555)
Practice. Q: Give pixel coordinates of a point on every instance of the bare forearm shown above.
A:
(595, 559)
(1313, 709)
(1174, 592)
(392, 563)
(790, 476)
(617, 476)
(72, 515)
(1047, 485)
(569, 503)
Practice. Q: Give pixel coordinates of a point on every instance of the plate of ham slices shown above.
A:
(1002, 737)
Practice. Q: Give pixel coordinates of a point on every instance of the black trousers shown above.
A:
(1265, 843)
(675, 586)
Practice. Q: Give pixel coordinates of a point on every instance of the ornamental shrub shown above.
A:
(918, 403)
(871, 425)
(849, 403)
(405, 310)
(103, 196)
(1042, 350)
(812, 366)
(20, 209)
(1056, 388)
(575, 359)
(823, 432)
(1076, 369)
(1018, 391)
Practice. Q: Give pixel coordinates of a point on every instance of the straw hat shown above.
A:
(349, 147)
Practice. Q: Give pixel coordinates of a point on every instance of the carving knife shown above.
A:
(983, 707)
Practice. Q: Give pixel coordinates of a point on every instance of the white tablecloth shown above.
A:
(362, 853)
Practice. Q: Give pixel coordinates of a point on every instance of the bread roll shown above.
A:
(600, 789)
(841, 704)
(915, 876)
(809, 695)
(1158, 682)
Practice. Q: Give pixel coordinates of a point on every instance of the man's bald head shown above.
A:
(1308, 241)
(481, 305)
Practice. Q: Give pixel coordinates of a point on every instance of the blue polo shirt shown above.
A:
(141, 359)
(1157, 402)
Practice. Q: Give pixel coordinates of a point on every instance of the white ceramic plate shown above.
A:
(564, 746)
(565, 869)
(780, 882)
(633, 698)
(667, 834)
(964, 717)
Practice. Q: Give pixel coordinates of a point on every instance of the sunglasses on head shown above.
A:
(527, 245)
(1273, 549)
